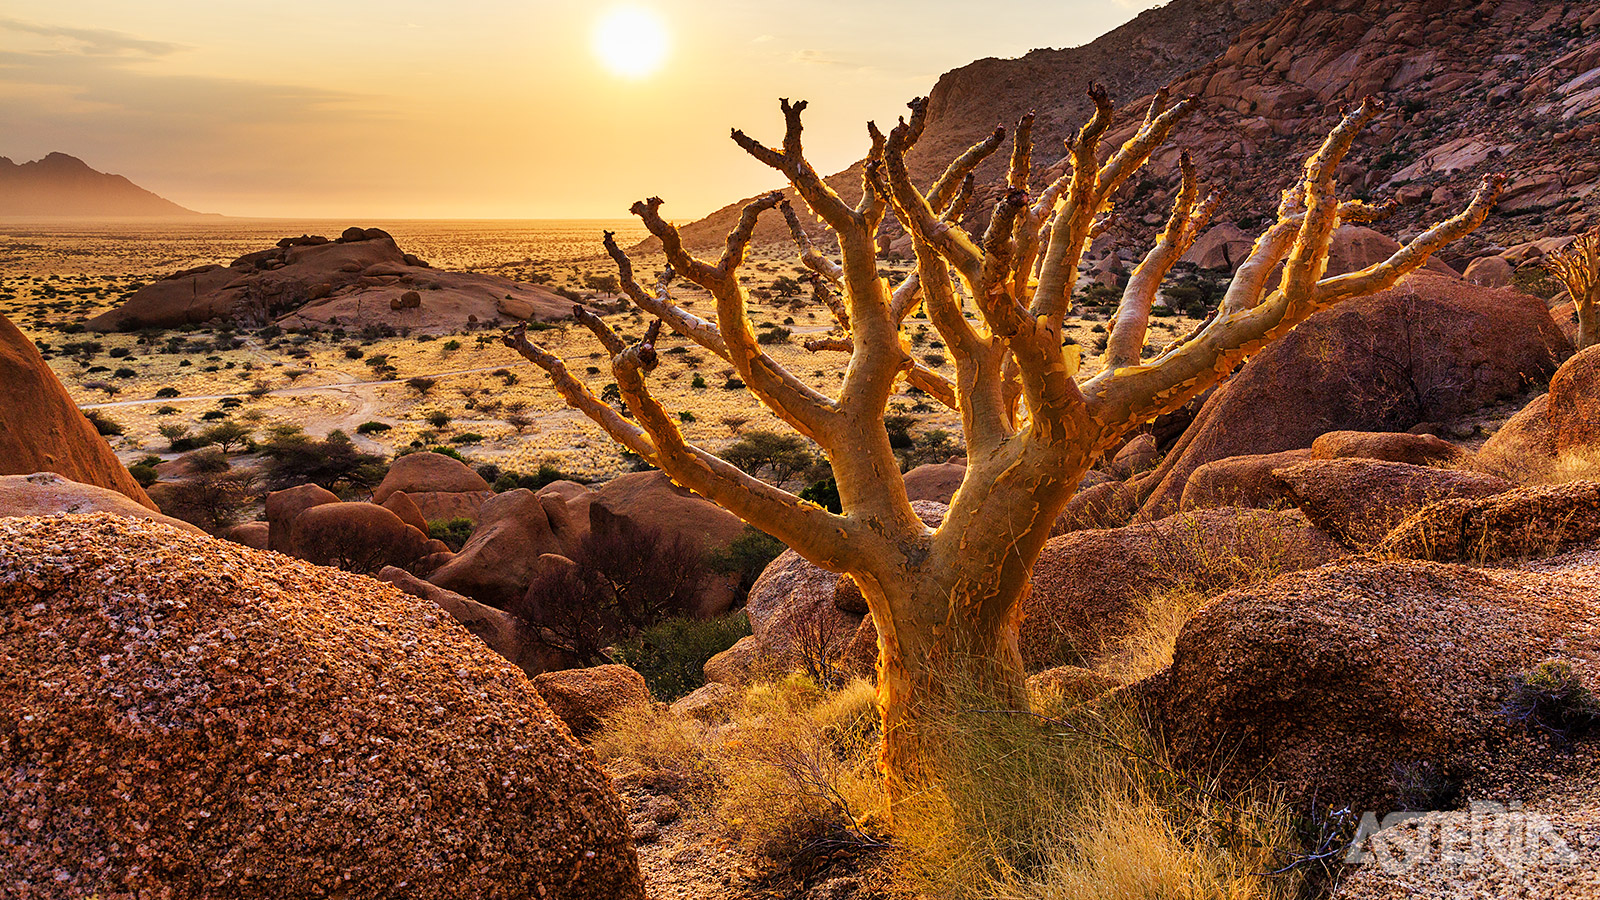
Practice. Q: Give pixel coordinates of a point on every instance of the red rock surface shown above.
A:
(41, 429)
(585, 698)
(189, 718)
(46, 493)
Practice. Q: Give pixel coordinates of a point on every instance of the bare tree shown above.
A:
(947, 600)
(1578, 267)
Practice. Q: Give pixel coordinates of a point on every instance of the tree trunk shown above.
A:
(1588, 309)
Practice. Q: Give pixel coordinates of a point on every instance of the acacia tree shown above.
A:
(1578, 267)
(946, 600)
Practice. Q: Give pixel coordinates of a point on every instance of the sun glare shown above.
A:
(630, 41)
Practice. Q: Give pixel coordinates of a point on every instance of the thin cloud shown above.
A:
(94, 41)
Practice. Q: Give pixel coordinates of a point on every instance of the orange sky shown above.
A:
(477, 108)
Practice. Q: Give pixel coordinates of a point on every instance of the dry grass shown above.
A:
(1083, 807)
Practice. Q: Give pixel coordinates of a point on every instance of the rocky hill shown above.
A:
(964, 106)
(1506, 85)
(62, 185)
(359, 279)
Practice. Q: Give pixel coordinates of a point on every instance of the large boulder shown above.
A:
(1089, 587)
(1109, 504)
(401, 504)
(1246, 481)
(1430, 350)
(284, 506)
(935, 481)
(250, 534)
(189, 718)
(497, 563)
(41, 428)
(1575, 402)
(1529, 521)
(585, 698)
(1332, 681)
(1524, 445)
(1359, 501)
(422, 473)
(505, 634)
(1401, 447)
(46, 493)
(357, 537)
(650, 503)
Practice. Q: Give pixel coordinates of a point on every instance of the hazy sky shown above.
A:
(477, 108)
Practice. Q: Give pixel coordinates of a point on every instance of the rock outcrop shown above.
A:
(504, 633)
(1332, 680)
(1429, 350)
(428, 473)
(363, 278)
(190, 718)
(357, 537)
(585, 698)
(1359, 501)
(499, 560)
(1530, 521)
(41, 429)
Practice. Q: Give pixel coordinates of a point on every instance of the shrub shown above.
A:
(782, 455)
(1551, 697)
(294, 457)
(166, 392)
(454, 532)
(774, 335)
(214, 495)
(103, 424)
(746, 556)
(373, 427)
(467, 437)
(698, 381)
(422, 385)
(824, 493)
(227, 435)
(671, 655)
(437, 418)
(144, 473)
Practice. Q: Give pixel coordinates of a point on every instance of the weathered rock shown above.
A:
(421, 473)
(356, 537)
(250, 534)
(284, 506)
(1359, 501)
(1529, 521)
(1223, 246)
(442, 506)
(504, 633)
(652, 504)
(1429, 350)
(497, 563)
(1401, 447)
(46, 493)
(1331, 680)
(41, 428)
(1109, 504)
(585, 698)
(1490, 272)
(1137, 456)
(935, 481)
(710, 703)
(1575, 401)
(345, 733)
(401, 504)
(1088, 586)
(1245, 481)
(1525, 443)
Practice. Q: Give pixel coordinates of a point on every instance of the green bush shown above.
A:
(143, 473)
(103, 424)
(167, 392)
(454, 532)
(746, 556)
(373, 427)
(672, 654)
(1551, 697)
(467, 437)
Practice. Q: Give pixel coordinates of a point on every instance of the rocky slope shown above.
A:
(62, 185)
(964, 106)
(1503, 85)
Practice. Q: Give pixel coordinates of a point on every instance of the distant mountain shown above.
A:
(62, 185)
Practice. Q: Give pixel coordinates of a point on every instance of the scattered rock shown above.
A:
(711, 703)
(250, 534)
(1401, 447)
(1137, 456)
(1490, 272)
(1246, 481)
(585, 698)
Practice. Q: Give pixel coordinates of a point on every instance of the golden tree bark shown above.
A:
(946, 600)
(1578, 267)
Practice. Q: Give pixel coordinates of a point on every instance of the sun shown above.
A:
(630, 41)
